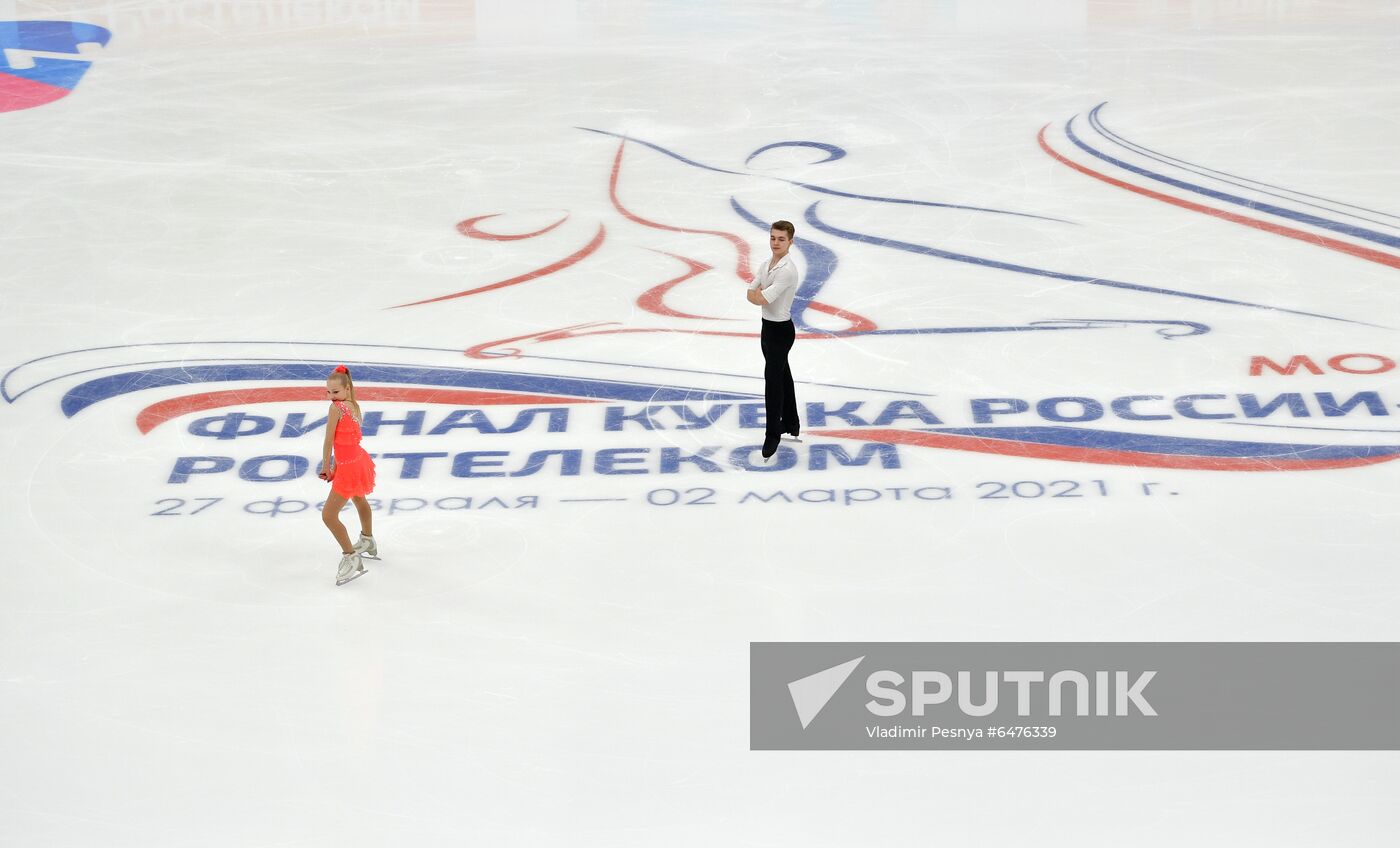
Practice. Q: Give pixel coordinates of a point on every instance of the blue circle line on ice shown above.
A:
(12, 398)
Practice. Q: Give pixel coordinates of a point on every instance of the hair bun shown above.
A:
(341, 369)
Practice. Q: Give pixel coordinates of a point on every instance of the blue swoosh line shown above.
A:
(923, 250)
(821, 264)
(4, 392)
(821, 189)
(1301, 217)
(177, 362)
(1003, 328)
(1244, 182)
(900, 392)
(832, 151)
(1164, 327)
(1303, 427)
(11, 399)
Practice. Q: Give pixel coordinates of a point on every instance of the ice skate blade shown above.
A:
(792, 439)
(359, 573)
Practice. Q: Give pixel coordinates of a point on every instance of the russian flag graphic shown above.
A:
(30, 75)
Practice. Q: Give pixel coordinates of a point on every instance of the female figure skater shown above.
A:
(351, 476)
(774, 287)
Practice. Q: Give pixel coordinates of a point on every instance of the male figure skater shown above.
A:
(773, 288)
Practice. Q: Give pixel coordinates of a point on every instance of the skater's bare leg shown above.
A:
(366, 516)
(331, 516)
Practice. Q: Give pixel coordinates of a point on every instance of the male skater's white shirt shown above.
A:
(778, 286)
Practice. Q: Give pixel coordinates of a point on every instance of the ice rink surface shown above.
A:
(1058, 258)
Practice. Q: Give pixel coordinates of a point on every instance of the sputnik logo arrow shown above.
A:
(811, 694)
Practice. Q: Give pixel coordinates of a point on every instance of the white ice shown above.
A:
(263, 182)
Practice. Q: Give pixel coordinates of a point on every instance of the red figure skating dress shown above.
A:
(354, 470)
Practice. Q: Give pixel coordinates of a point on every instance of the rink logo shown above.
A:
(43, 61)
(1073, 695)
(225, 402)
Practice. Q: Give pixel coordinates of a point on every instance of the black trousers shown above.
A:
(778, 394)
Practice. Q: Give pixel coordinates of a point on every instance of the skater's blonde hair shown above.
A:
(341, 375)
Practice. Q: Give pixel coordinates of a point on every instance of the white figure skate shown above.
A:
(350, 568)
(367, 548)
